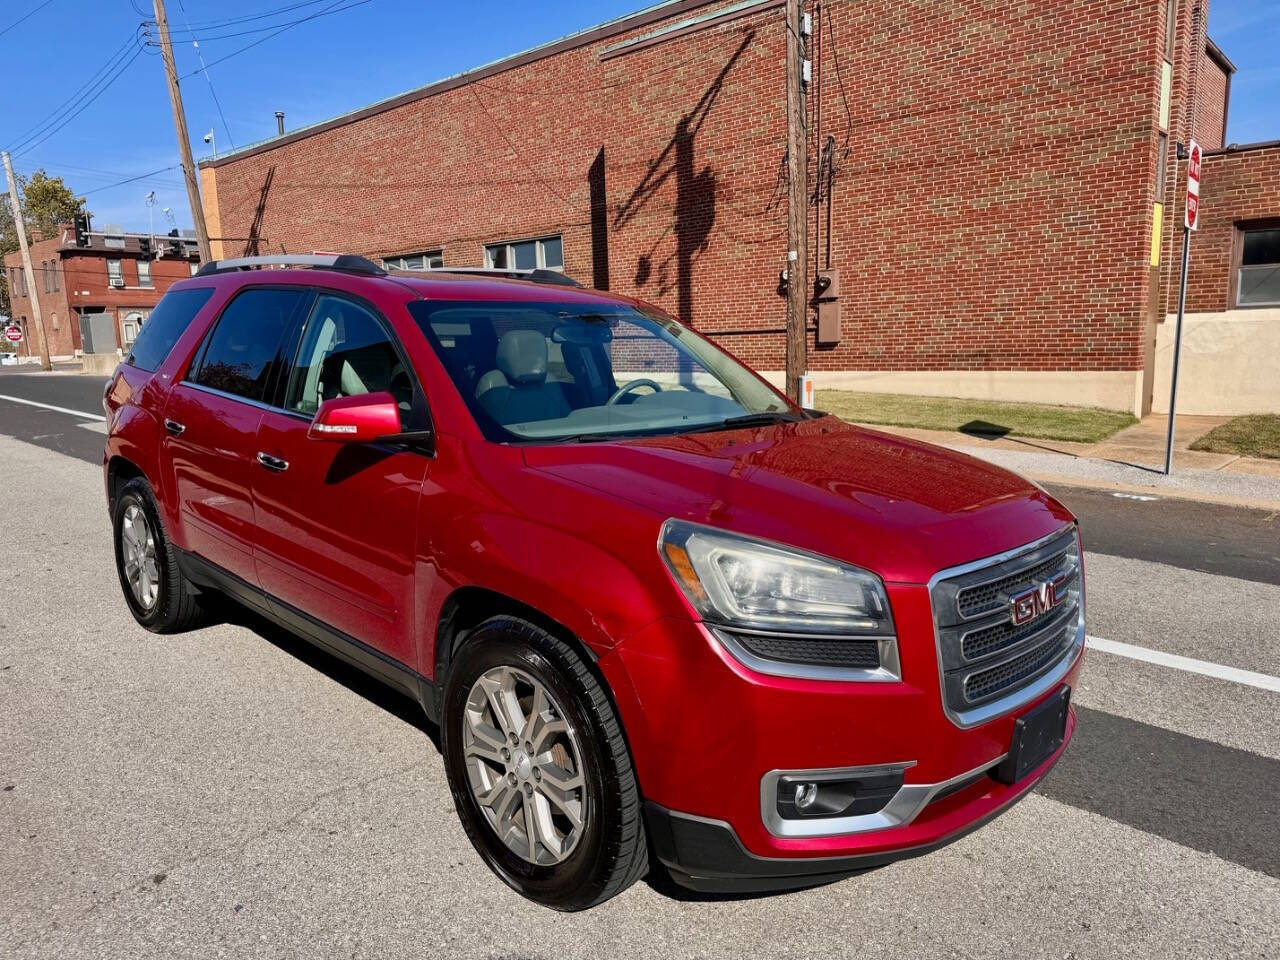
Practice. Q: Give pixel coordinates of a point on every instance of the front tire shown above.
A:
(158, 595)
(539, 769)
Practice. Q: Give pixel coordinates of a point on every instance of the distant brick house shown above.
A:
(109, 276)
(994, 203)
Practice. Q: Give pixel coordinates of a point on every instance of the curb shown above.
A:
(1158, 493)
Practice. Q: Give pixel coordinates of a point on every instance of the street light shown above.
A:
(151, 215)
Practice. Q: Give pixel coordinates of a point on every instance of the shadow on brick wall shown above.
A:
(695, 207)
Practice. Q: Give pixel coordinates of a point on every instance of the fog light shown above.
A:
(800, 798)
(806, 796)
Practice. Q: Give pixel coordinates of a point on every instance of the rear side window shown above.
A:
(167, 322)
(242, 353)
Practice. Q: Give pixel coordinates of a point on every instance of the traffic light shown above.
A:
(82, 229)
(144, 247)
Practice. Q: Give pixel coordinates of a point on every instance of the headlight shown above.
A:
(748, 584)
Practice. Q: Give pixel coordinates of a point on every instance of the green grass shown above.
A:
(985, 417)
(1257, 435)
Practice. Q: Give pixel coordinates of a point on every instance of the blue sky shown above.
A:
(333, 64)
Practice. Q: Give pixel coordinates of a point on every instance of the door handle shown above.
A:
(174, 427)
(274, 464)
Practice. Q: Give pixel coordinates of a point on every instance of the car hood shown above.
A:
(901, 508)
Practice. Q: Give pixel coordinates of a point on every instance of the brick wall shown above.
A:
(1211, 115)
(1237, 188)
(59, 324)
(991, 210)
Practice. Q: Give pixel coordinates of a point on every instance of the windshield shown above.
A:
(559, 371)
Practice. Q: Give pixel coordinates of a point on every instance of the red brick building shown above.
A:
(989, 181)
(110, 276)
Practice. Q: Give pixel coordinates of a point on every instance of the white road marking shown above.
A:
(1174, 661)
(1134, 496)
(50, 406)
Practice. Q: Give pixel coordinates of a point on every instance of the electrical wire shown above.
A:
(92, 171)
(30, 133)
(121, 183)
(25, 17)
(835, 58)
(57, 123)
(214, 93)
(232, 21)
(332, 8)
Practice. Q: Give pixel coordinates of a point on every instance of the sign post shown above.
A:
(1191, 221)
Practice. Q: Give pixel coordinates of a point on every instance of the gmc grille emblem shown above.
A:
(1038, 600)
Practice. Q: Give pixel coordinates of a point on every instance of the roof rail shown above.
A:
(537, 275)
(347, 262)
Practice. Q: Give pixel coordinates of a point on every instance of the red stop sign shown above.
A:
(1193, 186)
(13, 333)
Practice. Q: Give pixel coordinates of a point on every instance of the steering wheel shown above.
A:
(630, 385)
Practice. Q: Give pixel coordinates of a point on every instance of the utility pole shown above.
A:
(797, 206)
(27, 271)
(184, 140)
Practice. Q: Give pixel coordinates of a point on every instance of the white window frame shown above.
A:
(424, 260)
(540, 255)
(117, 274)
(145, 281)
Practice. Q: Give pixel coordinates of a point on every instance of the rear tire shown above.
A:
(158, 595)
(597, 849)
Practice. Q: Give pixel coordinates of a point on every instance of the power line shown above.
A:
(121, 183)
(232, 21)
(216, 102)
(102, 78)
(87, 102)
(91, 171)
(332, 8)
(25, 16)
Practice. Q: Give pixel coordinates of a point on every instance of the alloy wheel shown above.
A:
(524, 765)
(138, 554)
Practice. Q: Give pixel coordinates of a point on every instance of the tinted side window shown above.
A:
(168, 321)
(346, 352)
(242, 352)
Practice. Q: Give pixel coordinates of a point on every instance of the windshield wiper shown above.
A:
(765, 419)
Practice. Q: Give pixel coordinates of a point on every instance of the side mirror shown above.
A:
(360, 419)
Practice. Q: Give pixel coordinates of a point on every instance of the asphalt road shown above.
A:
(233, 792)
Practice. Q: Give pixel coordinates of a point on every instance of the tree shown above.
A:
(47, 202)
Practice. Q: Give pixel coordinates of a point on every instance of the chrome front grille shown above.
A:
(989, 663)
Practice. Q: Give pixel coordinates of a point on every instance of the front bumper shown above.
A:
(705, 731)
(706, 855)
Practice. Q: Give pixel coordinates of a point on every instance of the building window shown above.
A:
(115, 273)
(430, 260)
(1170, 27)
(22, 277)
(1258, 284)
(53, 269)
(195, 268)
(44, 275)
(144, 273)
(546, 253)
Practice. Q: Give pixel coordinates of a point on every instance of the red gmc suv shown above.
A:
(657, 610)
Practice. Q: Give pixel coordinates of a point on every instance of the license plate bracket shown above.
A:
(1036, 735)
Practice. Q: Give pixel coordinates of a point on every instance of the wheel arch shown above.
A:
(120, 470)
(469, 606)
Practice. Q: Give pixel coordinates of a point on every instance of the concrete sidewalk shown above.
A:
(1131, 460)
